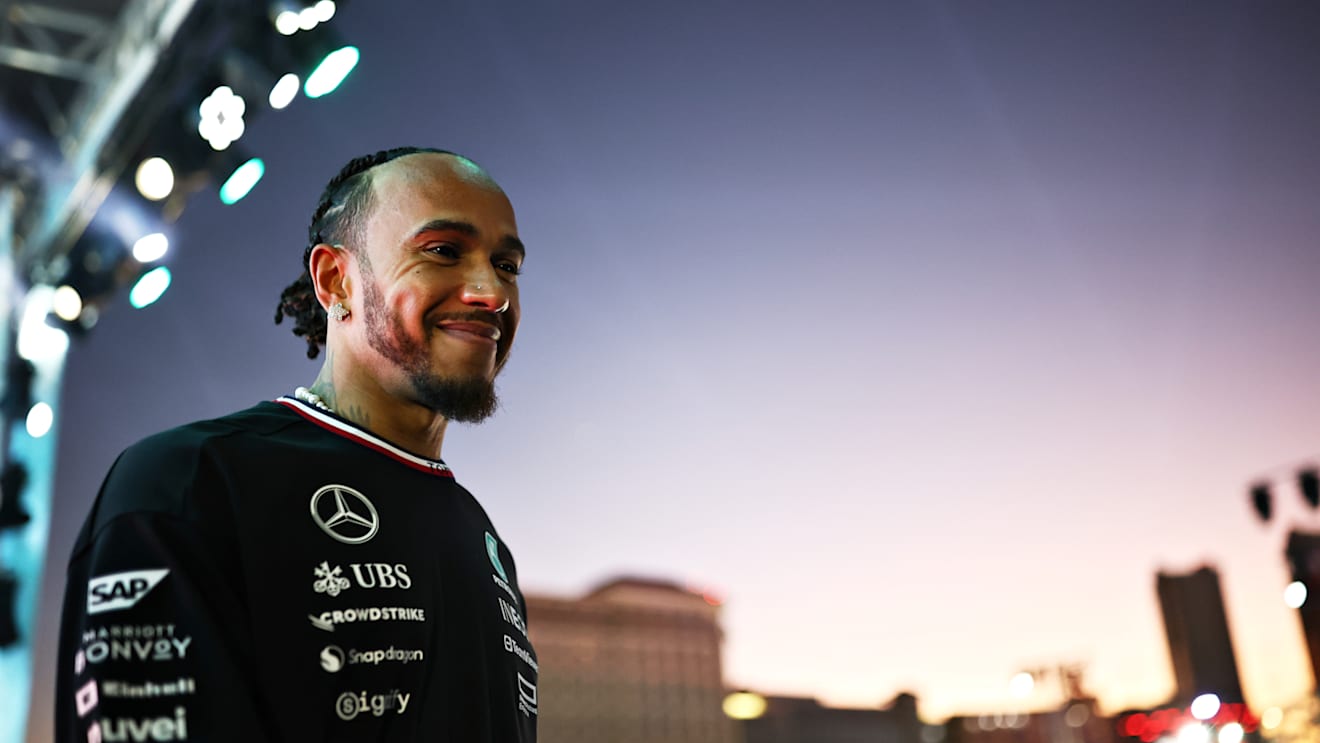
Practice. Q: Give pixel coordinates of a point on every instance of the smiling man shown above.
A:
(308, 569)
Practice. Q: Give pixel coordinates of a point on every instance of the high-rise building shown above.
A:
(635, 660)
(1199, 641)
(1303, 553)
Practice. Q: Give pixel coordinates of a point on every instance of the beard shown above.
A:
(466, 399)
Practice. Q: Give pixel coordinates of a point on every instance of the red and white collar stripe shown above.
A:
(336, 425)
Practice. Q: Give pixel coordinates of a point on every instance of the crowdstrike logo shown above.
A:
(327, 620)
(345, 514)
(121, 590)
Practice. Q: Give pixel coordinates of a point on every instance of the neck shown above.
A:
(360, 399)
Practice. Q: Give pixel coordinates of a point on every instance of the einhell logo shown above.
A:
(121, 590)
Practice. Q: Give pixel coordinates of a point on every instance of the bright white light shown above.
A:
(1271, 718)
(286, 23)
(331, 72)
(1231, 733)
(149, 288)
(154, 178)
(1205, 706)
(1194, 732)
(37, 341)
(308, 18)
(39, 420)
(284, 91)
(1295, 595)
(325, 10)
(151, 247)
(221, 117)
(1021, 685)
(66, 303)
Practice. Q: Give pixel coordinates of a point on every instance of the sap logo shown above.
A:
(128, 728)
(121, 590)
(350, 705)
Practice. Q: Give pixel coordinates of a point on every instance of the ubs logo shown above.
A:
(345, 514)
(331, 581)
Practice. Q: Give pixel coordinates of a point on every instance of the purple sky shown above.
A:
(925, 332)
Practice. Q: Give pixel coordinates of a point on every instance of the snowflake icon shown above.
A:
(329, 579)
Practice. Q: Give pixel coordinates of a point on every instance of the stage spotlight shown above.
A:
(151, 248)
(66, 303)
(40, 419)
(284, 91)
(242, 181)
(332, 71)
(154, 178)
(149, 288)
(221, 113)
(286, 22)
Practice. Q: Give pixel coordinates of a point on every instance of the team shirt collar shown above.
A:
(336, 425)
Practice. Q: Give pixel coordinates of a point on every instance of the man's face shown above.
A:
(438, 270)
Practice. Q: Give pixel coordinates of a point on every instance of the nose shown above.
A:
(486, 291)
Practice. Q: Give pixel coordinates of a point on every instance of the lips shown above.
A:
(474, 331)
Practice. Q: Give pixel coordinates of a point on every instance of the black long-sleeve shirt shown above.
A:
(280, 574)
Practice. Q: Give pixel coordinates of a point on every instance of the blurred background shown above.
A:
(919, 370)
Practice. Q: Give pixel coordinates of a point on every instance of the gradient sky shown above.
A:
(924, 332)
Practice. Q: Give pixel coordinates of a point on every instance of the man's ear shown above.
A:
(328, 267)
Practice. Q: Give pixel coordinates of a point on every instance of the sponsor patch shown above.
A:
(121, 590)
(351, 704)
(327, 620)
(334, 658)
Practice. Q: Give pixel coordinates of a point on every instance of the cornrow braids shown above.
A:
(338, 216)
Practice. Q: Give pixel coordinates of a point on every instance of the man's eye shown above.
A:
(509, 267)
(444, 249)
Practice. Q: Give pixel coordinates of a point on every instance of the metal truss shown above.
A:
(110, 60)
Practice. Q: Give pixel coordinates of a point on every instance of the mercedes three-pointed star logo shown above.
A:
(348, 516)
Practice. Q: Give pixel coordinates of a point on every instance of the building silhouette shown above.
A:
(1197, 629)
(635, 660)
(1303, 553)
(805, 720)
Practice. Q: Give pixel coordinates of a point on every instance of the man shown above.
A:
(308, 569)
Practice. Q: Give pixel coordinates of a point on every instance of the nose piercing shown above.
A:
(477, 287)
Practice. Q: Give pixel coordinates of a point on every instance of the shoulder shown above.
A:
(183, 470)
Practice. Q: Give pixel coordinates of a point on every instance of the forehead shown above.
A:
(421, 188)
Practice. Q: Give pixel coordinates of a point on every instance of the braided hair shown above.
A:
(338, 217)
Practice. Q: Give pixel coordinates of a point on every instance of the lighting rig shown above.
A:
(114, 116)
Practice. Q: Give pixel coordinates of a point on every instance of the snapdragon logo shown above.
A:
(351, 704)
(333, 658)
(121, 590)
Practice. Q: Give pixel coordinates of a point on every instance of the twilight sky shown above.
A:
(924, 332)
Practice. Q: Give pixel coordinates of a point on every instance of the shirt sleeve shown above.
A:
(154, 640)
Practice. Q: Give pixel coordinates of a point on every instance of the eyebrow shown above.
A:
(467, 228)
